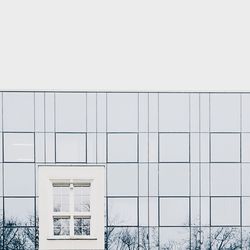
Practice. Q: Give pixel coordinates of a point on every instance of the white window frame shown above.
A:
(71, 214)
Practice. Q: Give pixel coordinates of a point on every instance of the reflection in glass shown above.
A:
(82, 198)
(61, 198)
(61, 226)
(82, 226)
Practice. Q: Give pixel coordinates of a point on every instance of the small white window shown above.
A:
(71, 209)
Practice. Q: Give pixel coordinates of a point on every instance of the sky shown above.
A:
(125, 45)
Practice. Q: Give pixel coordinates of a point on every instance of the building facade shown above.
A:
(177, 165)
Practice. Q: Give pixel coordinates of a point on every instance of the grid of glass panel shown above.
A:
(178, 165)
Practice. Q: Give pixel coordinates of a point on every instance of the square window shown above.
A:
(23, 216)
(18, 111)
(174, 211)
(225, 179)
(225, 112)
(225, 211)
(122, 212)
(225, 147)
(174, 179)
(70, 112)
(19, 179)
(123, 147)
(18, 147)
(122, 112)
(174, 238)
(174, 147)
(70, 147)
(122, 179)
(173, 112)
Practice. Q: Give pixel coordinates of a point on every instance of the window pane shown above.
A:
(174, 238)
(19, 179)
(61, 198)
(122, 147)
(19, 211)
(82, 198)
(174, 212)
(225, 147)
(174, 147)
(70, 147)
(225, 179)
(225, 112)
(174, 179)
(225, 211)
(19, 238)
(122, 211)
(70, 112)
(82, 226)
(61, 226)
(18, 111)
(19, 147)
(174, 112)
(122, 112)
(122, 179)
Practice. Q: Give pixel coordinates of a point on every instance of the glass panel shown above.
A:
(174, 211)
(122, 179)
(123, 238)
(122, 147)
(122, 112)
(18, 111)
(174, 179)
(225, 179)
(61, 198)
(82, 226)
(70, 147)
(226, 238)
(61, 226)
(122, 211)
(19, 211)
(19, 179)
(82, 198)
(19, 238)
(174, 147)
(19, 147)
(174, 238)
(225, 211)
(225, 147)
(225, 112)
(174, 112)
(70, 112)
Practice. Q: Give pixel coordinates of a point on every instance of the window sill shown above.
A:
(72, 238)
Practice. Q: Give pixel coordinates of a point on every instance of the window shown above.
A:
(71, 209)
(122, 147)
(174, 211)
(225, 211)
(122, 112)
(70, 112)
(225, 112)
(225, 147)
(174, 179)
(18, 111)
(173, 112)
(71, 147)
(174, 147)
(18, 147)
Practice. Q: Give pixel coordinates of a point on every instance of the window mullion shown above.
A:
(71, 209)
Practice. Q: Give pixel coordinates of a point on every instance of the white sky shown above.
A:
(125, 45)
